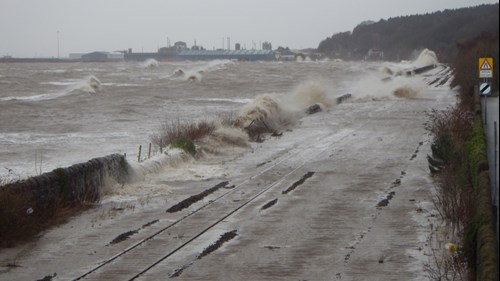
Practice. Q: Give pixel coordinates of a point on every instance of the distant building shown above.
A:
(237, 46)
(180, 46)
(285, 54)
(267, 46)
(374, 54)
(95, 56)
(246, 55)
(197, 48)
(98, 56)
(115, 56)
(166, 50)
(76, 56)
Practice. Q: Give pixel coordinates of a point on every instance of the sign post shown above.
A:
(485, 67)
(485, 71)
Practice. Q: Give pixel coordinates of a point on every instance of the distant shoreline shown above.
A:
(51, 60)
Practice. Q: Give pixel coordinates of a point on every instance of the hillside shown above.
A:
(399, 38)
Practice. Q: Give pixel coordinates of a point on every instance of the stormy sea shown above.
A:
(58, 114)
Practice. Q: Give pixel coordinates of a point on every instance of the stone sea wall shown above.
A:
(83, 182)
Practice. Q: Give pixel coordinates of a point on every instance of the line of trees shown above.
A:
(401, 37)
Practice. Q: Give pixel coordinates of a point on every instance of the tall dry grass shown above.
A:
(174, 130)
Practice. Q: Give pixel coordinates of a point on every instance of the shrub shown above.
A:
(455, 200)
(184, 144)
(477, 160)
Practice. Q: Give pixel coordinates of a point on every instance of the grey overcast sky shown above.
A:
(31, 28)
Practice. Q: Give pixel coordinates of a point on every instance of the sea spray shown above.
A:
(426, 57)
(371, 87)
(267, 115)
(311, 92)
(406, 91)
(193, 76)
(170, 158)
(89, 84)
(224, 140)
(150, 63)
(195, 73)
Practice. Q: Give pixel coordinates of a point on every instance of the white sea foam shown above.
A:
(121, 84)
(234, 100)
(61, 83)
(35, 97)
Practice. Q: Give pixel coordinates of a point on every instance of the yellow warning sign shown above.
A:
(485, 67)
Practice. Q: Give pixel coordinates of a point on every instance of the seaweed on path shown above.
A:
(299, 182)
(195, 198)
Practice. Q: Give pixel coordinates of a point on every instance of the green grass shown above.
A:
(184, 144)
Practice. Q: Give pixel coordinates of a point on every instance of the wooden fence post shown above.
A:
(139, 156)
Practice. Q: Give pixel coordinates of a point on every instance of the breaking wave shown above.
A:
(426, 57)
(214, 65)
(189, 75)
(150, 63)
(195, 73)
(280, 112)
(89, 85)
(266, 109)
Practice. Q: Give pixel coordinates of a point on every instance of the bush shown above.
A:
(477, 160)
(184, 144)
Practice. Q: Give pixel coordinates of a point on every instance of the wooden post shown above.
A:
(149, 151)
(139, 156)
(161, 147)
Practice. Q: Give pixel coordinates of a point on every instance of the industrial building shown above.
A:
(186, 54)
(244, 55)
(96, 56)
